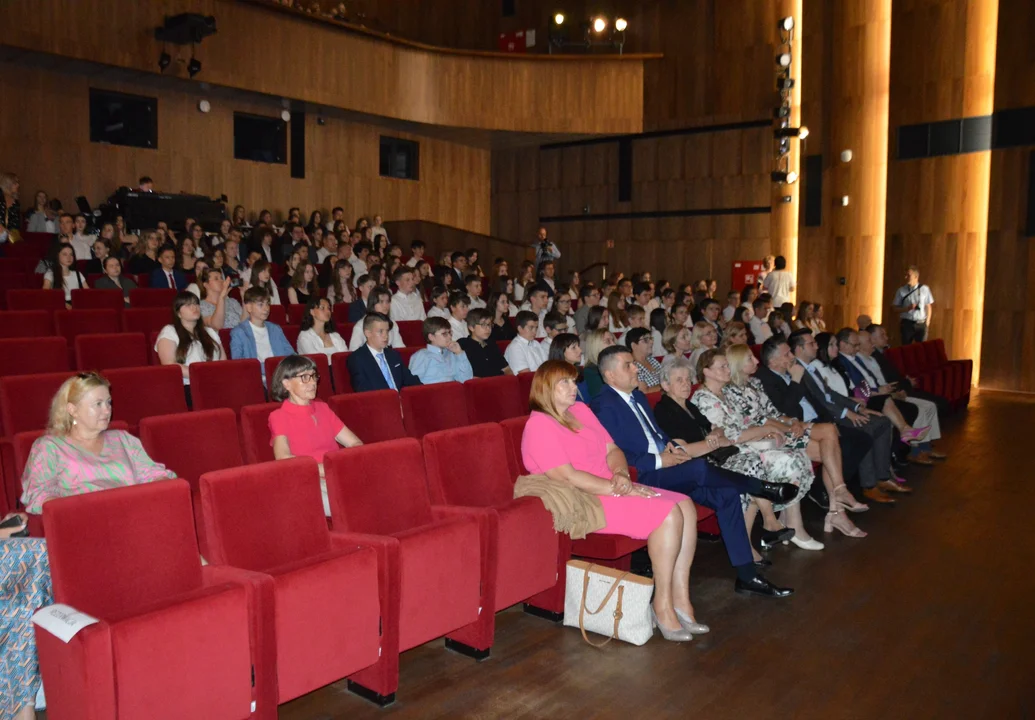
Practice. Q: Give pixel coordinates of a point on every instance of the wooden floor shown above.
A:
(931, 616)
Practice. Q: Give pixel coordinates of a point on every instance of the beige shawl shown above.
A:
(574, 511)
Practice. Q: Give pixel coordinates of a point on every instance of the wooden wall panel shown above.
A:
(46, 142)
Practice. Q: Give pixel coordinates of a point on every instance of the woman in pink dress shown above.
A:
(564, 441)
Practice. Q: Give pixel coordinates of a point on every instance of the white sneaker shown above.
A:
(810, 544)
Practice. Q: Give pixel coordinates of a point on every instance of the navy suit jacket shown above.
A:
(624, 428)
(366, 375)
(160, 280)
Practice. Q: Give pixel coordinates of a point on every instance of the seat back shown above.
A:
(939, 350)
(259, 517)
(26, 323)
(324, 391)
(193, 443)
(427, 408)
(141, 547)
(146, 320)
(340, 372)
(525, 386)
(932, 358)
(141, 297)
(912, 359)
(294, 313)
(653, 399)
(408, 352)
(374, 416)
(255, 432)
(278, 315)
(513, 429)
(86, 299)
(291, 333)
(23, 356)
(71, 323)
(412, 333)
(468, 466)
(20, 299)
(141, 392)
(397, 500)
(226, 384)
(224, 341)
(25, 401)
(494, 399)
(106, 351)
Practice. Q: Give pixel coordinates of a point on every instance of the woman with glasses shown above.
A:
(304, 425)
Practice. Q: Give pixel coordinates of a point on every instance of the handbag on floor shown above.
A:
(608, 602)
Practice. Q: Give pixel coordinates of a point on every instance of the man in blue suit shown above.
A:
(376, 366)
(257, 338)
(664, 463)
(168, 276)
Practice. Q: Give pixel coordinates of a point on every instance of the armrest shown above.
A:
(389, 579)
(80, 673)
(489, 533)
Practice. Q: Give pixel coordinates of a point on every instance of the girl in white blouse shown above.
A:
(63, 262)
(187, 340)
(318, 334)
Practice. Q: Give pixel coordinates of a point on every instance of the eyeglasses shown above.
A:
(486, 324)
(309, 377)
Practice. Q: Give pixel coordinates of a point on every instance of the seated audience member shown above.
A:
(379, 300)
(81, 240)
(658, 323)
(144, 259)
(303, 284)
(702, 338)
(803, 316)
(374, 365)
(501, 310)
(744, 316)
(566, 347)
(562, 306)
(596, 341)
(114, 280)
(61, 273)
(710, 309)
(257, 338)
(778, 325)
(732, 303)
(680, 315)
(473, 285)
(260, 275)
(168, 275)
(358, 307)
(648, 370)
(302, 425)
(589, 297)
(318, 334)
(736, 334)
(218, 309)
(636, 317)
(24, 588)
(416, 252)
(618, 321)
(187, 340)
(439, 302)
(879, 339)
(537, 301)
(340, 289)
(748, 295)
(186, 255)
(406, 303)
(665, 463)
(565, 442)
(290, 266)
(759, 325)
(555, 325)
(863, 321)
(443, 360)
(818, 324)
(524, 354)
(482, 351)
(199, 269)
(459, 306)
(101, 250)
(599, 318)
(675, 342)
(79, 454)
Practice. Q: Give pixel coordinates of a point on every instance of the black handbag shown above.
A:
(719, 456)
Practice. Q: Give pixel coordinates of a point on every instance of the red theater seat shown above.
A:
(494, 399)
(408, 352)
(226, 384)
(174, 640)
(142, 392)
(278, 315)
(340, 373)
(35, 300)
(291, 333)
(294, 313)
(111, 350)
(25, 356)
(374, 416)
(653, 399)
(25, 400)
(427, 408)
(255, 432)
(430, 558)
(72, 323)
(142, 297)
(269, 519)
(86, 299)
(324, 390)
(26, 323)
(146, 320)
(411, 332)
(525, 385)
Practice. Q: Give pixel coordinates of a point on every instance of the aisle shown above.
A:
(930, 616)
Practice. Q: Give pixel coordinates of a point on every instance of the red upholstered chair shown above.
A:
(411, 332)
(494, 399)
(291, 333)
(175, 640)
(26, 323)
(146, 320)
(408, 352)
(255, 432)
(964, 368)
(429, 558)
(756, 350)
(374, 416)
(111, 350)
(142, 297)
(468, 467)
(268, 518)
(525, 385)
(141, 392)
(502, 345)
(35, 300)
(25, 400)
(653, 399)
(17, 264)
(278, 314)
(72, 323)
(24, 356)
(86, 299)
(427, 408)
(340, 373)
(294, 313)
(340, 313)
(324, 390)
(226, 383)
(224, 341)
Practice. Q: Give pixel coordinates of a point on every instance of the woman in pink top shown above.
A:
(564, 441)
(79, 454)
(303, 425)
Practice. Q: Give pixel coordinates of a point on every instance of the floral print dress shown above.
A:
(24, 589)
(742, 408)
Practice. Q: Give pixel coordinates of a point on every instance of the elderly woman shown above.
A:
(703, 337)
(564, 441)
(187, 339)
(596, 341)
(304, 425)
(777, 459)
(676, 342)
(648, 370)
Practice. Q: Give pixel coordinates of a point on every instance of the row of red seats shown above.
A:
(934, 372)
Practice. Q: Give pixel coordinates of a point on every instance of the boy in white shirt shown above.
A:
(524, 354)
(459, 306)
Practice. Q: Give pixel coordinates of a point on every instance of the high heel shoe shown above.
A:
(680, 635)
(690, 625)
(915, 435)
(772, 538)
(841, 522)
(844, 499)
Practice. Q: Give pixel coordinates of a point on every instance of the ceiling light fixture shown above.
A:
(621, 24)
(599, 25)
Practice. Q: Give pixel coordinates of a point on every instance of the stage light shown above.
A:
(788, 132)
(786, 178)
(783, 60)
(558, 19)
(193, 67)
(204, 106)
(599, 24)
(621, 24)
(163, 61)
(787, 23)
(784, 83)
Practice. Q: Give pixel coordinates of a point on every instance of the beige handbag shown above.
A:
(608, 602)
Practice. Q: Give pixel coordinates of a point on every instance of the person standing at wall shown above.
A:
(913, 302)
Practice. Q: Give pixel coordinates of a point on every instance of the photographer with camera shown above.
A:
(544, 249)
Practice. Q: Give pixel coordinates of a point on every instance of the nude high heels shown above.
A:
(843, 498)
(680, 635)
(838, 520)
(690, 625)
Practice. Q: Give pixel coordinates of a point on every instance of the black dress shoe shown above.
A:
(760, 586)
(819, 495)
(775, 537)
(777, 493)
(763, 563)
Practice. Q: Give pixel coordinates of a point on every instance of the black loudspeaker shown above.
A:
(508, 8)
(1029, 225)
(298, 145)
(813, 179)
(625, 170)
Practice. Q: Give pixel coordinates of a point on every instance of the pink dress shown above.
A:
(309, 429)
(546, 444)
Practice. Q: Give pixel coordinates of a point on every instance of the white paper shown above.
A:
(62, 621)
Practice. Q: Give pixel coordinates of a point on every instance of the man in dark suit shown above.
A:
(459, 269)
(875, 469)
(879, 337)
(168, 275)
(375, 366)
(860, 375)
(665, 463)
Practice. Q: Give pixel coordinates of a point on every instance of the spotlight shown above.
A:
(781, 112)
(558, 19)
(786, 178)
(163, 60)
(193, 67)
(787, 23)
(285, 116)
(621, 24)
(204, 106)
(788, 132)
(599, 24)
(784, 83)
(783, 59)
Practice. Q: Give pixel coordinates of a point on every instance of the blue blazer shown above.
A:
(159, 279)
(242, 343)
(624, 428)
(366, 375)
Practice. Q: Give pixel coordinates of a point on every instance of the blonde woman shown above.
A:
(702, 337)
(596, 341)
(736, 334)
(676, 341)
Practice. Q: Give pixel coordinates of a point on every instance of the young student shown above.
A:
(732, 303)
(442, 360)
(473, 283)
(537, 302)
(358, 307)
(416, 253)
(257, 338)
(524, 354)
(637, 316)
(555, 324)
(439, 303)
(459, 306)
(562, 305)
(482, 352)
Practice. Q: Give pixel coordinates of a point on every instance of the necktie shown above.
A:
(867, 372)
(818, 376)
(383, 364)
(647, 424)
(172, 283)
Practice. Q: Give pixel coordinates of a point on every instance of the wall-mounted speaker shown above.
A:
(297, 133)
